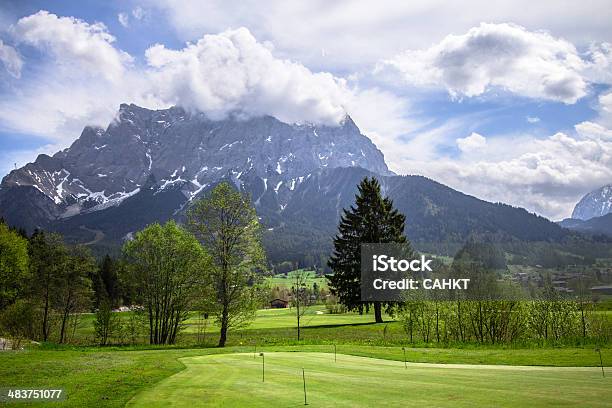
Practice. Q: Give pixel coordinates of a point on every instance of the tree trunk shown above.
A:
(46, 318)
(378, 312)
(298, 325)
(63, 328)
(583, 320)
(224, 321)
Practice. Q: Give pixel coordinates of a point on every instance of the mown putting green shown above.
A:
(235, 380)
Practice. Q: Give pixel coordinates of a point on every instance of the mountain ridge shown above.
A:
(104, 167)
(147, 166)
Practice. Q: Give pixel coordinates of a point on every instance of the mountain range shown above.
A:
(148, 165)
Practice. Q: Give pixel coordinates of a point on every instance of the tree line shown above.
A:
(212, 262)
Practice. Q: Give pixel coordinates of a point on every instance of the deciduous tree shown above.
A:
(14, 271)
(226, 224)
(168, 268)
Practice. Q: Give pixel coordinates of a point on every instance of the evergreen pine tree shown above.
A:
(371, 220)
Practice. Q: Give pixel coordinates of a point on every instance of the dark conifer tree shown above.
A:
(371, 220)
(108, 276)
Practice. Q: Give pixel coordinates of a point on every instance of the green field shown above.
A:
(287, 280)
(112, 376)
(278, 327)
(236, 380)
(315, 316)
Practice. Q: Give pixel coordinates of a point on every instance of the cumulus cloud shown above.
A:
(471, 143)
(599, 63)
(11, 59)
(605, 108)
(507, 56)
(233, 73)
(76, 43)
(356, 34)
(546, 175)
(230, 73)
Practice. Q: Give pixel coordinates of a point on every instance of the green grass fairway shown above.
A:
(287, 280)
(234, 380)
(314, 316)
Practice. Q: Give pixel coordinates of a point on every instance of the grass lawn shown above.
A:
(279, 326)
(112, 376)
(315, 316)
(287, 280)
(236, 380)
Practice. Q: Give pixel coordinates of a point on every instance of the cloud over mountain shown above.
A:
(221, 74)
(233, 73)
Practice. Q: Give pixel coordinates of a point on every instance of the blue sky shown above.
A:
(498, 102)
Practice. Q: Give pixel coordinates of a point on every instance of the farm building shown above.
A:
(279, 304)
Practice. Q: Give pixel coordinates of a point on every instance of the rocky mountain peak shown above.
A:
(595, 204)
(187, 150)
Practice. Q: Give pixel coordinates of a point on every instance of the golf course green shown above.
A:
(235, 380)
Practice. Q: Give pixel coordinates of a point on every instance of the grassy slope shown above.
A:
(235, 380)
(112, 377)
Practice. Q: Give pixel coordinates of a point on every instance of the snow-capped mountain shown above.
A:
(147, 166)
(176, 148)
(595, 204)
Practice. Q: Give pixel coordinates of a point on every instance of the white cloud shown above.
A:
(357, 33)
(599, 63)
(605, 101)
(473, 142)
(11, 59)
(605, 108)
(532, 119)
(74, 43)
(506, 56)
(546, 175)
(124, 19)
(138, 13)
(233, 73)
(228, 73)
(80, 79)
(385, 118)
(594, 131)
